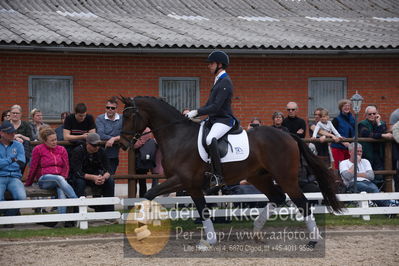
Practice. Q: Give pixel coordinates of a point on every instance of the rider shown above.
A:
(218, 109)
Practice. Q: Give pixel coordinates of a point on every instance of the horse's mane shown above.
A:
(169, 108)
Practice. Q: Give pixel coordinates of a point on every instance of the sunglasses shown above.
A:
(110, 107)
(372, 113)
(95, 145)
(290, 110)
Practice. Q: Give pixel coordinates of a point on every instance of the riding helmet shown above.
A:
(219, 57)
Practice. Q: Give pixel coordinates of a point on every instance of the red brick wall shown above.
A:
(262, 84)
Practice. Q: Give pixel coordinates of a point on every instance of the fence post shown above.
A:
(83, 210)
(388, 166)
(364, 204)
(131, 170)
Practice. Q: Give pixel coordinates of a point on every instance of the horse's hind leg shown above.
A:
(302, 203)
(273, 192)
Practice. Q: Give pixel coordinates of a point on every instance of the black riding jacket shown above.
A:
(218, 106)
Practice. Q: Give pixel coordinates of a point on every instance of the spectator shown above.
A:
(50, 166)
(12, 159)
(307, 180)
(322, 149)
(278, 119)
(23, 133)
(5, 115)
(146, 149)
(393, 119)
(109, 126)
(60, 130)
(37, 123)
(295, 124)
(90, 167)
(255, 122)
(373, 127)
(365, 174)
(345, 125)
(77, 126)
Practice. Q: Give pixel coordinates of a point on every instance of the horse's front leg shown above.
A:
(204, 213)
(171, 184)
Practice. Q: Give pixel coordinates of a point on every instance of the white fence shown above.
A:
(363, 209)
(83, 216)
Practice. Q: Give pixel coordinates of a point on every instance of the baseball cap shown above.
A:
(7, 127)
(93, 138)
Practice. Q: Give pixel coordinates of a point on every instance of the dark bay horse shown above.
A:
(274, 156)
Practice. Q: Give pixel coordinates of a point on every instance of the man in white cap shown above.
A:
(90, 167)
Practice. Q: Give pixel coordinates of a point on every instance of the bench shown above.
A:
(34, 192)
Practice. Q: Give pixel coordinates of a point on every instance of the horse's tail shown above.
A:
(324, 176)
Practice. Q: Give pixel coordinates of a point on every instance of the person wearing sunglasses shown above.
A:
(90, 167)
(295, 124)
(109, 126)
(374, 127)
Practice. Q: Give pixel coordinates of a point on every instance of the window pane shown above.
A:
(180, 92)
(325, 93)
(51, 95)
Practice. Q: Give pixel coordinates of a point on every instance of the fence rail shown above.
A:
(363, 209)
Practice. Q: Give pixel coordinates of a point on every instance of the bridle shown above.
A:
(137, 135)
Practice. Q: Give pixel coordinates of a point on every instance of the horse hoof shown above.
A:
(311, 244)
(203, 246)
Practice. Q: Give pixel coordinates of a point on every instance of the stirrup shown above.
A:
(215, 181)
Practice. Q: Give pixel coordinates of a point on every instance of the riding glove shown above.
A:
(192, 114)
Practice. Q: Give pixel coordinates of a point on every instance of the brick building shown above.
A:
(54, 54)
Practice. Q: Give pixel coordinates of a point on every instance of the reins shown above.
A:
(137, 135)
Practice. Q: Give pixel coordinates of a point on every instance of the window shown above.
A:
(325, 93)
(180, 92)
(51, 94)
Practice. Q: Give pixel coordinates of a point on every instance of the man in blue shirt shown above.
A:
(109, 126)
(12, 159)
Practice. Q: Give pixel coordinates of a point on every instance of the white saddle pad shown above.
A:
(238, 148)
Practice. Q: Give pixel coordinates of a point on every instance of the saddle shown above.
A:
(223, 143)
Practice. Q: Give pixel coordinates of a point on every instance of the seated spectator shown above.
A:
(278, 119)
(345, 125)
(77, 126)
(37, 123)
(60, 130)
(90, 167)
(255, 122)
(365, 174)
(12, 159)
(307, 180)
(5, 115)
(23, 133)
(244, 188)
(109, 126)
(50, 166)
(373, 127)
(295, 124)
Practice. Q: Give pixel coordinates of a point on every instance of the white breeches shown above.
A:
(217, 131)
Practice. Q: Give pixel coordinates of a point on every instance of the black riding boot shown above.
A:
(216, 178)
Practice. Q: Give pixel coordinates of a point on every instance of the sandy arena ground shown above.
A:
(344, 246)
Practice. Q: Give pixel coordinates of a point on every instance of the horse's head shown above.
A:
(134, 123)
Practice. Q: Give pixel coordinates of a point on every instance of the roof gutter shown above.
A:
(243, 51)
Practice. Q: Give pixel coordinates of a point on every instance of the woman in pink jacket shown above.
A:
(50, 166)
